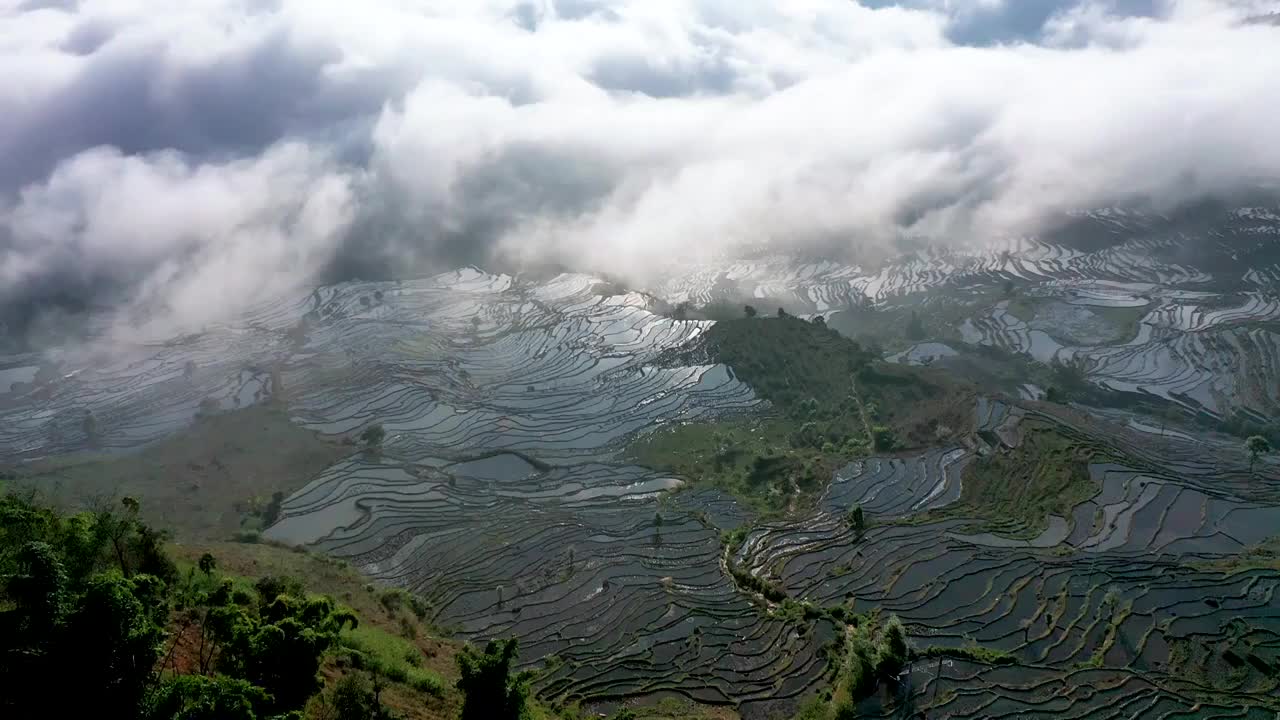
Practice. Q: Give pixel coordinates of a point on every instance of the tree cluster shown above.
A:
(491, 691)
(804, 369)
(93, 599)
(875, 656)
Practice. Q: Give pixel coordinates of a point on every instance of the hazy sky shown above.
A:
(189, 156)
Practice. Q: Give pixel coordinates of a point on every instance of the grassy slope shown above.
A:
(1014, 491)
(199, 481)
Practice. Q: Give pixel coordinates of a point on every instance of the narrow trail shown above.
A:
(862, 410)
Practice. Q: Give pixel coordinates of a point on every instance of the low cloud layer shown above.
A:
(184, 159)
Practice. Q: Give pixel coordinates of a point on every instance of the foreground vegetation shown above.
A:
(96, 596)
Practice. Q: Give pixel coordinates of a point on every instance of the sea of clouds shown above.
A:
(190, 158)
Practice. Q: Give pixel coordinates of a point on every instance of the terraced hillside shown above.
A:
(1109, 611)
(460, 360)
(717, 511)
(1183, 309)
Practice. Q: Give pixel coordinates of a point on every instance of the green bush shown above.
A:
(396, 673)
(428, 684)
(355, 697)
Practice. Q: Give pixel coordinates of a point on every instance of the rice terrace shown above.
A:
(1002, 484)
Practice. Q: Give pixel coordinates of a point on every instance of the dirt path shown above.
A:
(862, 411)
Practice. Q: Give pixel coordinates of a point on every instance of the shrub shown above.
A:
(354, 697)
(395, 673)
(373, 436)
(419, 607)
(270, 587)
(428, 684)
(883, 438)
(392, 599)
(408, 630)
(272, 511)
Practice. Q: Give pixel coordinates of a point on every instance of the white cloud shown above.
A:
(194, 241)
(142, 144)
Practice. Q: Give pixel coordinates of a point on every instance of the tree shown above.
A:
(1256, 445)
(782, 313)
(92, 433)
(272, 512)
(857, 521)
(750, 311)
(819, 320)
(39, 592)
(1167, 414)
(915, 328)
(355, 697)
(372, 436)
(114, 633)
(1008, 288)
(208, 563)
(489, 690)
(81, 595)
(893, 648)
(657, 519)
(862, 666)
